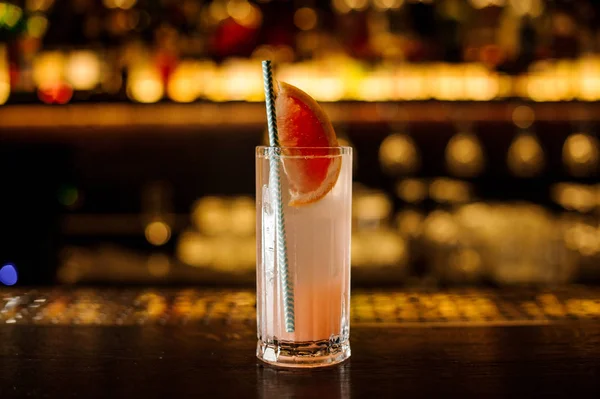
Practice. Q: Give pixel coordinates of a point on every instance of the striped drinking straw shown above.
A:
(287, 288)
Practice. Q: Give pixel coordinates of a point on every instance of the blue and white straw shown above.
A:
(287, 287)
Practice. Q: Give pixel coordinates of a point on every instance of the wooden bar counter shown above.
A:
(110, 343)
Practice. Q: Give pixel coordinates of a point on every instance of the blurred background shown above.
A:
(128, 127)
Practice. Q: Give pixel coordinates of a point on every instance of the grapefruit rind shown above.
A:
(301, 199)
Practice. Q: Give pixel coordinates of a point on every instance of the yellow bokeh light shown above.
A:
(243, 12)
(409, 222)
(526, 156)
(243, 216)
(195, 250)
(480, 84)
(254, 19)
(123, 4)
(238, 9)
(588, 80)
(389, 249)
(206, 77)
(446, 82)
(340, 6)
(264, 52)
(4, 78)
(376, 88)
(479, 4)
(523, 116)
(328, 88)
(210, 216)
(305, 18)
(226, 254)
(373, 206)
(533, 8)
(359, 5)
(83, 70)
(590, 88)
(398, 154)
(449, 191)
(387, 4)
(4, 90)
(145, 85)
(48, 68)
(441, 227)
(37, 26)
(580, 154)
(583, 238)
(411, 83)
(575, 197)
(158, 233)
(38, 5)
(240, 80)
(182, 85)
(464, 155)
(218, 10)
(411, 190)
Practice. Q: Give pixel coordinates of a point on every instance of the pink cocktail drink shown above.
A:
(318, 236)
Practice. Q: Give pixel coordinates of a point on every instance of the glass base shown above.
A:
(306, 354)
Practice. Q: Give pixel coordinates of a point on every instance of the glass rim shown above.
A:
(303, 152)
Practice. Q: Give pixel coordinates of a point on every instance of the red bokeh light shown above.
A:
(55, 93)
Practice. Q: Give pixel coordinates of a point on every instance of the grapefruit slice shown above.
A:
(305, 133)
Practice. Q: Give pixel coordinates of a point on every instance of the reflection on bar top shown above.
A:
(457, 307)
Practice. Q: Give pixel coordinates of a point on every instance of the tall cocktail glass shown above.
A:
(317, 237)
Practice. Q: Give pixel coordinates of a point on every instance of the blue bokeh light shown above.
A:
(8, 275)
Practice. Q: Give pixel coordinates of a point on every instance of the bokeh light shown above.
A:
(158, 233)
(69, 196)
(581, 154)
(358, 5)
(411, 190)
(123, 4)
(8, 275)
(38, 5)
(532, 8)
(144, 84)
(371, 207)
(409, 222)
(4, 76)
(182, 86)
(82, 70)
(523, 116)
(210, 216)
(398, 154)
(55, 92)
(194, 249)
(387, 4)
(48, 68)
(464, 155)
(37, 26)
(305, 18)
(10, 14)
(526, 156)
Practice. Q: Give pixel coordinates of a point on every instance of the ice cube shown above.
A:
(266, 200)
